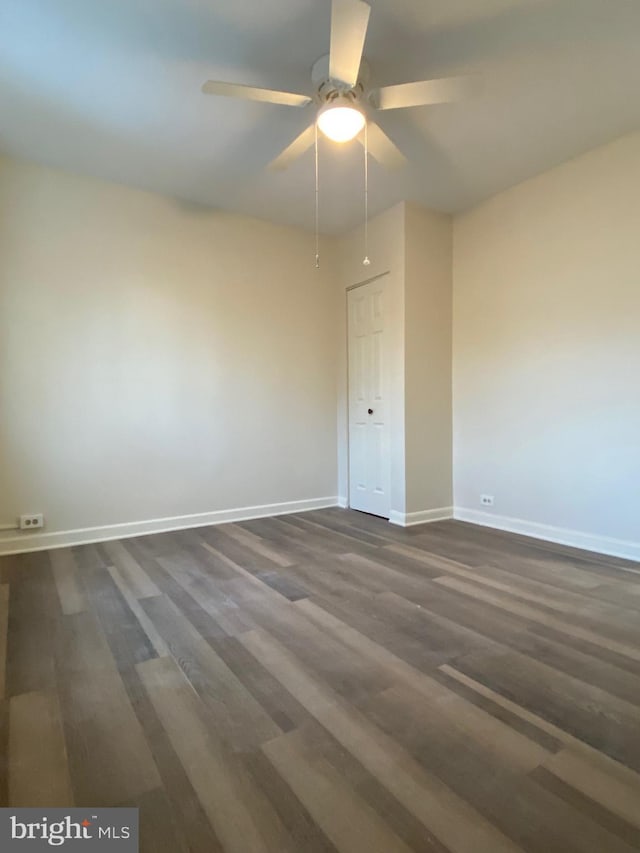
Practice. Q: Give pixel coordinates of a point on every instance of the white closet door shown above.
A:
(369, 446)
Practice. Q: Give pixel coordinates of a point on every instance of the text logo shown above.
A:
(103, 830)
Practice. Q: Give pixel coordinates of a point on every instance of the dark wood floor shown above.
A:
(324, 682)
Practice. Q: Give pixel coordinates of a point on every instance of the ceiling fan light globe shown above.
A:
(340, 123)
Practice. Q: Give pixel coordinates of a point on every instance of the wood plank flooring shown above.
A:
(328, 682)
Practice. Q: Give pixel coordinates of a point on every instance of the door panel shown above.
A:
(377, 372)
(369, 447)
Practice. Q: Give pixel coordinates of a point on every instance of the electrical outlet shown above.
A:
(486, 500)
(28, 522)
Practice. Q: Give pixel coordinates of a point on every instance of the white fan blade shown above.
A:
(349, 20)
(422, 93)
(299, 145)
(382, 148)
(251, 93)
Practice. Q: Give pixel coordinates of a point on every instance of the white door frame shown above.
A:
(348, 290)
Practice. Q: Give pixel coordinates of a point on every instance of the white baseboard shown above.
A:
(408, 519)
(572, 538)
(343, 503)
(17, 544)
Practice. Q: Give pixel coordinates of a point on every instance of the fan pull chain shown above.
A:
(366, 260)
(317, 207)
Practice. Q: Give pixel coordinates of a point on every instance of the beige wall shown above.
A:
(547, 349)
(428, 297)
(159, 360)
(156, 359)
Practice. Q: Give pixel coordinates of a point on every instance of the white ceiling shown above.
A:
(112, 88)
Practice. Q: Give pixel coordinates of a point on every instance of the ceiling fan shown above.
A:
(342, 93)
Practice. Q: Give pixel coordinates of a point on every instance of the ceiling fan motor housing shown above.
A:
(328, 89)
